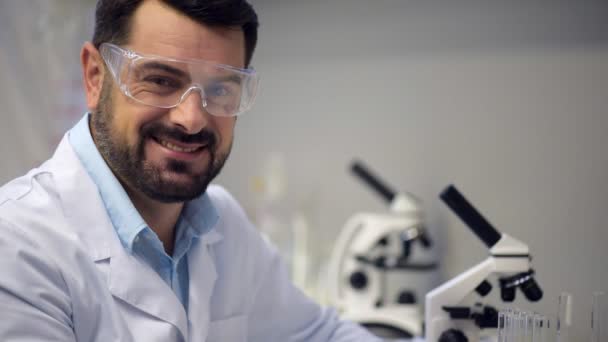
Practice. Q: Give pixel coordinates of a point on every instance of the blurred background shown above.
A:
(506, 99)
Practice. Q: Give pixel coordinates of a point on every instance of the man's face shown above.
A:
(169, 155)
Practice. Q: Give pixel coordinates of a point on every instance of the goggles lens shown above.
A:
(164, 82)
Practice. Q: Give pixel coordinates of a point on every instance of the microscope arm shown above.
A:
(362, 231)
(507, 256)
(454, 291)
(356, 238)
(339, 251)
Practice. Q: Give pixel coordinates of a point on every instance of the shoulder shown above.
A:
(222, 199)
(31, 204)
(242, 256)
(20, 187)
(239, 235)
(32, 222)
(230, 212)
(37, 244)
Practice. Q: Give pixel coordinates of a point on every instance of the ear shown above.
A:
(93, 73)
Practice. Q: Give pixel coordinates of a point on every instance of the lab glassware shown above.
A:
(501, 326)
(538, 327)
(564, 316)
(599, 317)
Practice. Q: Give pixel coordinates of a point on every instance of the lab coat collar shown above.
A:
(129, 279)
(84, 209)
(82, 205)
(133, 281)
(203, 275)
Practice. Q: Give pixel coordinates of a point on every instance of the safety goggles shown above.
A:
(166, 82)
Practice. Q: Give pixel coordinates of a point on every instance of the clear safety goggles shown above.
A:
(166, 82)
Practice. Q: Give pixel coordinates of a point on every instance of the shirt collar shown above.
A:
(200, 213)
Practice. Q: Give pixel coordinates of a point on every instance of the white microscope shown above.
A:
(447, 319)
(370, 246)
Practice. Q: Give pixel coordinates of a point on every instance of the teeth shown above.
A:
(177, 148)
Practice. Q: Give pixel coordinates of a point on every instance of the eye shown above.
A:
(162, 81)
(218, 90)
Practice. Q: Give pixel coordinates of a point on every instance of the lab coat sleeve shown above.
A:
(34, 300)
(281, 312)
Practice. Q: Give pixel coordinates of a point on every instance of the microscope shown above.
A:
(447, 319)
(370, 246)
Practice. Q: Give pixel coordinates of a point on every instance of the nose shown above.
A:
(190, 114)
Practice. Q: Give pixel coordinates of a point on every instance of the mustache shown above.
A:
(160, 131)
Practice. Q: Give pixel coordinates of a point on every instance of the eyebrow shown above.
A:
(165, 67)
(180, 73)
(229, 78)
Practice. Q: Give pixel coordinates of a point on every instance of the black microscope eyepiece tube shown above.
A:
(373, 181)
(531, 290)
(469, 215)
(507, 294)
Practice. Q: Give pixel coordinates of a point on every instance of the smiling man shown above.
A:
(120, 236)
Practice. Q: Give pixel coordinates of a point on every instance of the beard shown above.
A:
(129, 163)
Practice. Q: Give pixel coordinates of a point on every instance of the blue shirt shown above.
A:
(197, 217)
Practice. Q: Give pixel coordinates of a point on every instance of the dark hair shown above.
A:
(113, 19)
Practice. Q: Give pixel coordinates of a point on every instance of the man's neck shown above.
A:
(160, 217)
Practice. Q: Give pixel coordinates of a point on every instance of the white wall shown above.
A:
(40, 84)
(508, 100)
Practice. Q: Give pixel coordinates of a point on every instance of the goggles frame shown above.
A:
(117, 58)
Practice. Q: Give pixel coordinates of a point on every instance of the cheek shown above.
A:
(225, 129)
(130, 119)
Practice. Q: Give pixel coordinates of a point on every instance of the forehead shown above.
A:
(160, 30)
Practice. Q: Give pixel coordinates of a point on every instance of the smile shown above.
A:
(177, 148)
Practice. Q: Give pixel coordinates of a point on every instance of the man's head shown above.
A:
(114, 19)
(166, 154)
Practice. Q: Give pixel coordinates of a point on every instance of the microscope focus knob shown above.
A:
(484, 288)
(358, 280)
(453, 335)
(406, 297)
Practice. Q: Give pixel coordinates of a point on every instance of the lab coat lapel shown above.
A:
(128, 279)
(136, 283)
(75, 188)
(203, 274)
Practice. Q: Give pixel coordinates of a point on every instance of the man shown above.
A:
(118, 237)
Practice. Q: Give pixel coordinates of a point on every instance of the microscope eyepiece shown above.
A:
(508, 287)
(507, 294)
(525, 281)
(531, 290)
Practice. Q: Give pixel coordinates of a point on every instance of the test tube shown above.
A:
(501, 326)
(564, 317)
(539, 329)
(507, 326)
(529, 326)
(599, 318)
(514, 329)
(551, 329)
(521, 327)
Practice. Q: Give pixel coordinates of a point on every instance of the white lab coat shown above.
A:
(66, 276)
